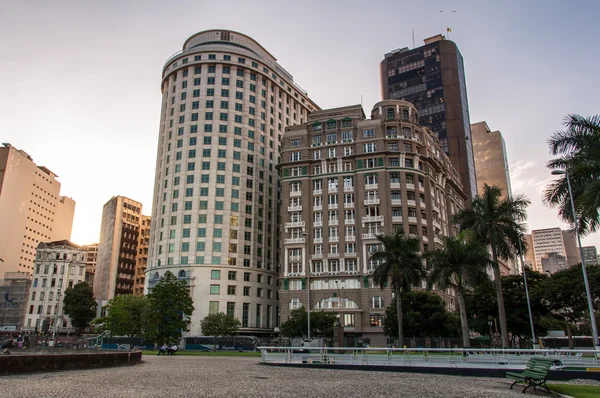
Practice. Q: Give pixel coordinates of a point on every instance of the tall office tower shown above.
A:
(345, 180)
(142, 255)
(118, 248)
(432, 77)
(491, 161)
(90, 262)
(590, 255)
(58, 266)
(553, 240)
(225, 105)
(31, 209)
(529, 251)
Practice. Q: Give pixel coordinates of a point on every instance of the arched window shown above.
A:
(182, 274)
(376, 302)
(295, 303)
(156, 275)
(371, 179)
(390, 113)
(335, 303)
(405, 114)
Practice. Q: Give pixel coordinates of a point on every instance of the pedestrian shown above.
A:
(172, 349)
(162, 349)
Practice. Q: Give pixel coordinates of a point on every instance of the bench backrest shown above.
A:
(539, 364)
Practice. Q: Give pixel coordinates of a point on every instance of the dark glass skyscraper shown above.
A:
(432, 77)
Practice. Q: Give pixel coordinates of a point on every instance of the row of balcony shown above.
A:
(366, 219)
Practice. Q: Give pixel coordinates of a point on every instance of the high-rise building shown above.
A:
(432, 77)
(142, 255)
(590, 255)
(491, 161)
(31, 209)
(553, 262)
(118, 248)
(225, 104)
(58, 266)
(90, 262)
(542, 242)
(345, 180)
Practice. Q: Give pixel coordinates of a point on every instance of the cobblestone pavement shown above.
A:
(233, 377)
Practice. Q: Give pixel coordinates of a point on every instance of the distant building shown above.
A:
(118, 248)
(590, 255)
(14, 293)
(432, 78)
(345, 180)
(553, 262)
(142, 255)
(58, 266)
(90, 263)
(552, 240)
(31, 209)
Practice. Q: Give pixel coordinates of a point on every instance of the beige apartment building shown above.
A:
(142, 255)
(90, 262)
(542, 242)
(118, 248)
(225, 104)
(344, 180)
(31, 209)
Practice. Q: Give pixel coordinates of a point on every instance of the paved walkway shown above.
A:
(231, 377)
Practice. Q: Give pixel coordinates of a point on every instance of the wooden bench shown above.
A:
(534, 374)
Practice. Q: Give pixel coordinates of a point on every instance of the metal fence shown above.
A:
(436, 357)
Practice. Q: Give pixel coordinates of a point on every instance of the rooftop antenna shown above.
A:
(361, 104)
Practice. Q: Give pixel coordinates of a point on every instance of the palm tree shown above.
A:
(579, 149)
(461, 263)
(496, 223)
(398, 260)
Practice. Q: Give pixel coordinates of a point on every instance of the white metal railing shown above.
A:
(295, 208)
(411, 202)
(372, 201)
(295, 193)
(371, 186)
(293, 240)
(294, 224)
(371, 219)
(428, 357)
(317, 192)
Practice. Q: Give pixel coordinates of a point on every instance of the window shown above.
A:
(231, 289)
(369, 133)
(215, 289)
(215, 274)
(369, 147)
(376, 302)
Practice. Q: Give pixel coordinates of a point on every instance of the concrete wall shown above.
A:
(13, 364)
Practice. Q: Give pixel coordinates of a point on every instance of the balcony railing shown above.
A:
(349, 221)
(425, 238)
(371, 186)
(333, 255)
(295, 224)
(395, 185)
(412, 219)
(350, 238)
(396, 201)
(421, 188)
(349, 205)
(295, 258)
(295, 208)
(320, 255)
(317, 207)
(317, 240)
(411, 202)
(410, 186)
(348, 188)
(438, 240)
(332, 189)
(424, 221)
(396, 218)
(293, 240)
(372, 219)
(334, 239)
(369, 235)
(295, 194)
(371, 201)
(317, 223)
(422, 204)
(317, 192)
(332, 206)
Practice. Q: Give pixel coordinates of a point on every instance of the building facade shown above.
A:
(31, 207)
(142, 255)
(590, 255)
(58, 266)
(345, 180)
(118, 248)
(90, 262)
(14, 294)
(491, 160)
(432, 77)
(226, 102)
(553, 262)
(541, 242)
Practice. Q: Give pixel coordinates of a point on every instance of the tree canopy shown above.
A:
(219, 324)
(79, 305)
(321, 323)
(170, 309)
(127, 315)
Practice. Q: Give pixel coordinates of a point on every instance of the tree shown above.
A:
(79, 305)
(321, 323)
(219, 324)
(461, 263)
(169, 310)
(496, 223)
(579, 149)
(127, 315)
(424, 315)
(398, 260)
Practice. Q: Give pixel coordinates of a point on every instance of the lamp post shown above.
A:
(305, 236)
(533, 340)
(583, 269)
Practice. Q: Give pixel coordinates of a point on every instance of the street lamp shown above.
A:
(307, 264)
(585, 277)
(535, 345)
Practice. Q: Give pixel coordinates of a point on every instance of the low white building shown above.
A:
(58, 266)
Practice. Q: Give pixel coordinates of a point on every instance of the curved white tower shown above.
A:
(225, 105)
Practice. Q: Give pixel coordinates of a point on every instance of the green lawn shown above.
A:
(576, 391)
(210, 353)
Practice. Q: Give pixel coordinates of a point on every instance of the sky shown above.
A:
(80, 80)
